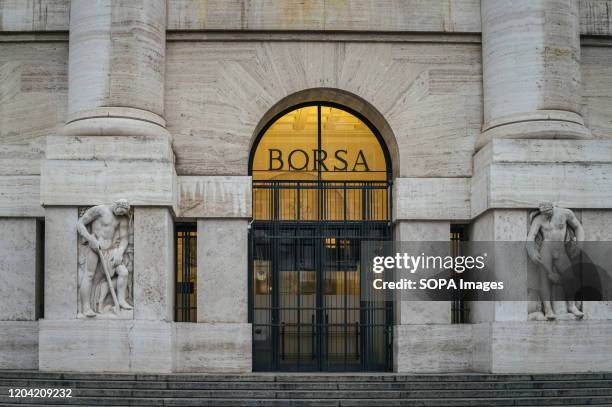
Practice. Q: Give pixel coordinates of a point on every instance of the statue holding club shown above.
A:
(105, 230)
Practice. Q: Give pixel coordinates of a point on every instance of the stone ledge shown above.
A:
(83, 182)
(214, 196)
(148, 147)
(431, 199)
(515, 174)
(536, 129)
(18, 344)
(544, 151)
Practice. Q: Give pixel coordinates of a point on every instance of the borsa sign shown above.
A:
(312, 160)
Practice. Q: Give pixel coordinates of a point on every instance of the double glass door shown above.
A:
(310, 309)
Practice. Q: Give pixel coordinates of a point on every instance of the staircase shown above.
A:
(594, 389)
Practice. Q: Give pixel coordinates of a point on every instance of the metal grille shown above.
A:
(459, 307)
(186, 273)
(308, 305)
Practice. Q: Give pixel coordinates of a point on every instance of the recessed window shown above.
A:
(186, 273)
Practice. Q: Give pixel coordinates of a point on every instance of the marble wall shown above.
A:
(33, 97)
(430, 94)
(169, 125)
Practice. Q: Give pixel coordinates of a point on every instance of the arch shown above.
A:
(321, 163)
(340, 99)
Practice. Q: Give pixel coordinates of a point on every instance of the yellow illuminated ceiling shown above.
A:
(289, 149)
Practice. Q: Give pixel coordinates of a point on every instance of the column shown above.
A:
(534, 147)
(531, 70)
(113, 146)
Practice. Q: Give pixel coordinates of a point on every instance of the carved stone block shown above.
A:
(106, 261)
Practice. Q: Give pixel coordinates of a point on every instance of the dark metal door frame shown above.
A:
(370, 336)
(372, 332)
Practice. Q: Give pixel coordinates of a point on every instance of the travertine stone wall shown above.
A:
(106, 346)
(34, 15)
(596, 92)
(429, 93)
(222, 270)
(434, 348)
(18, 344)
(17, 269)
(153, 264)
(358, 15)
(33, 92)
(431, 198)
(597, 227)
(422, 312)
(218, 347)
(61, 263)
(564, 346)
(504, 226)
(390, 15)
(531, 70)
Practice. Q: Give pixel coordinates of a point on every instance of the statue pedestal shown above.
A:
(99, 345)
(545, 347)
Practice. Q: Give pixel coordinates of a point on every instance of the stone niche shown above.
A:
(112, 227)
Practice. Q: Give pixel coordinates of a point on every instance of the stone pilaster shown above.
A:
(113, 145)
(501, 225)
(424, 326)
(531, 70)
(222, 338)
(18, 287)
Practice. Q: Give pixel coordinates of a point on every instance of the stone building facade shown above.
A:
(483, 109)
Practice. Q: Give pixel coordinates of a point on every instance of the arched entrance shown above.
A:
(321, 187)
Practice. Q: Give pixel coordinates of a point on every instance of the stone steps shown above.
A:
(250, 385)
(313, 389)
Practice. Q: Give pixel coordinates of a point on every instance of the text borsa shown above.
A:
(304, 160)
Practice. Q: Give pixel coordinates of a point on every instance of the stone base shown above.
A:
(18, 344)
(504, 347)
(551, 347)
(432, 348)
(106, 346)
(213, 347)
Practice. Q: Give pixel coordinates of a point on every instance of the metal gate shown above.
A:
(309, 305)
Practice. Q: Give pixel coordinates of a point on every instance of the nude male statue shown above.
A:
(552, 258)
(107, 242)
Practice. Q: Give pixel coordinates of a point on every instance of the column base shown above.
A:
(542, 124)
